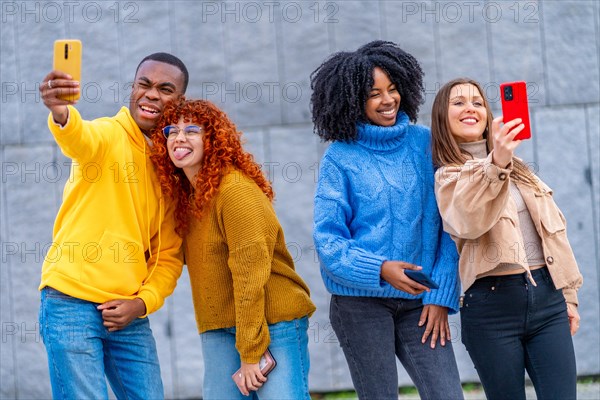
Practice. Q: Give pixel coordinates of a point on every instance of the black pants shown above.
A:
(509, 326)
(374, 331)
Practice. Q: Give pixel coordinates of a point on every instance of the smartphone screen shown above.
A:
(67, 58)
(516, 105)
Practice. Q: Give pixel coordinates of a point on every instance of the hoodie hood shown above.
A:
(134, 132)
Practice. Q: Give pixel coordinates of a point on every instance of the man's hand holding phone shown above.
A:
(60, 87)
(54, 85)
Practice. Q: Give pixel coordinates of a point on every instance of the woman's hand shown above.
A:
(504, 145)
(573, 318)
(437, 324)
(393, 273)
(250, 378)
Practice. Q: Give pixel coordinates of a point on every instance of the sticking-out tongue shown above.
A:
(180, 152)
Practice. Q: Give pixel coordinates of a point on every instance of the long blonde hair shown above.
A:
(445, 149)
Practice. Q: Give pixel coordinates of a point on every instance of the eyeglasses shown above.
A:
(172, 131)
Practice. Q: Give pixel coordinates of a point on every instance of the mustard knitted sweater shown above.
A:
(241, 272)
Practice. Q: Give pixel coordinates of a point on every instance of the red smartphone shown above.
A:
(515, 105)
(267, 363)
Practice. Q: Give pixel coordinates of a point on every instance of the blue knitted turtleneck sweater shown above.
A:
(374, 202)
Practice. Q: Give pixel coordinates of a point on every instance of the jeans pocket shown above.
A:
(286, 331)
(477, 295)
(548, 278)
(55, 294)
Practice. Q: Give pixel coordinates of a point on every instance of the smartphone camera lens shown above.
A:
(66, 51)
(508, 93)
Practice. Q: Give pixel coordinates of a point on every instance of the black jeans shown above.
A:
(373, 331)
(509, 326)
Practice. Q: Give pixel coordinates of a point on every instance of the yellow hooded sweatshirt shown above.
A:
(114, 235)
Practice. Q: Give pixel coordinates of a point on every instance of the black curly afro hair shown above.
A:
(341, 86)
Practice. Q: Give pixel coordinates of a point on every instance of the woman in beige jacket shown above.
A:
(517, 269)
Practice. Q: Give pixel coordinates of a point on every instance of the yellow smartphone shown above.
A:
(67, 58)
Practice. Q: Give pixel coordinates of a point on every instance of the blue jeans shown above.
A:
(289, 379)
(373, 331)
(81, 352)
(509, 326)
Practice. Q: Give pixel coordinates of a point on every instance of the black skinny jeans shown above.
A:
(509, 326)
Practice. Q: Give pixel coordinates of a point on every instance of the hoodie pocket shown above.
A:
(116, 264)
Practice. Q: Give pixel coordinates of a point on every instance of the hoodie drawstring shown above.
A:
(160, 213)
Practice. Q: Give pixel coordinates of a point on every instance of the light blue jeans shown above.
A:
(289, 379)
(81, 352)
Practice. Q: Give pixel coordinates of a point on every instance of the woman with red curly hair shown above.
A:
(247, 295)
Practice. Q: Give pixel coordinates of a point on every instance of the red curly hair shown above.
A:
(222, 151)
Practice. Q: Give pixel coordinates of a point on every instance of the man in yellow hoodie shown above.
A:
(115, 255)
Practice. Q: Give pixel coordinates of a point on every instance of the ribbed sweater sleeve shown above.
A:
(341, 257)
(244, 222)
(241, 273)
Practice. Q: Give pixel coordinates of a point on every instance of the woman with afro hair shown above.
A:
(375, 217)
(247, 295)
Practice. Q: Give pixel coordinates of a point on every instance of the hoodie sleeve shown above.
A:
(79, 139)
(165, 263)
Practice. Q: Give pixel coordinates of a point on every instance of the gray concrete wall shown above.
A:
(254, 60)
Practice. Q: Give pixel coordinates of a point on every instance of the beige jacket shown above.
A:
(481, 216)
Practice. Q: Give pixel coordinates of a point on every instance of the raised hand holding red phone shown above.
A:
(504, 143)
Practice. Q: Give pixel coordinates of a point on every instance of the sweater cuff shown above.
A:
(366, 269)
(446, 296)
